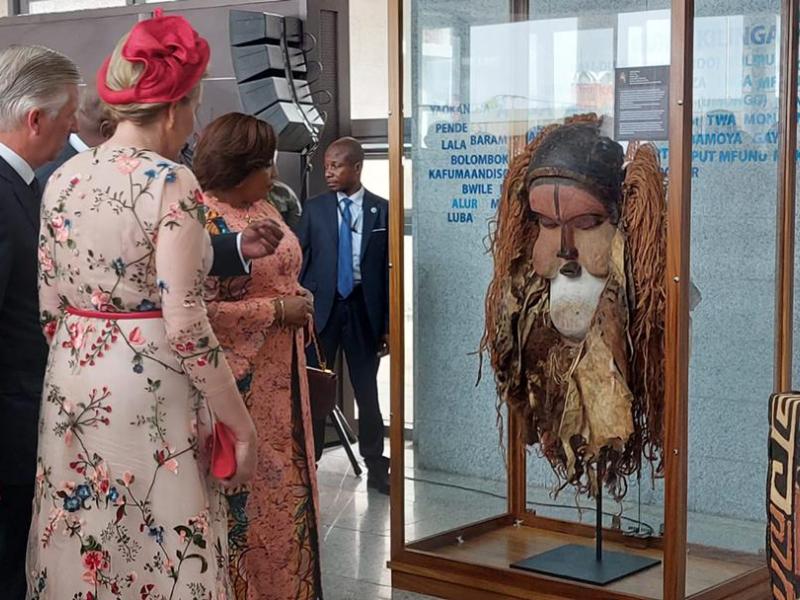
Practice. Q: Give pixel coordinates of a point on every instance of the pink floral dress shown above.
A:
(124, 508)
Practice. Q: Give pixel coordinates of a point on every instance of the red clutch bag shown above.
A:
(223, 452)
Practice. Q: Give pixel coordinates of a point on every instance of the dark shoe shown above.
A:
(380, 463)
(378, 479)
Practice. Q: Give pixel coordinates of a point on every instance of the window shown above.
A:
(36, 7)
(369, 60)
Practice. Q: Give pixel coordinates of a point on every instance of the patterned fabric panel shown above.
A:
(783, 494)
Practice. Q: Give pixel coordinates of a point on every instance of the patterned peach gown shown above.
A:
(273, 535)
(124, 509)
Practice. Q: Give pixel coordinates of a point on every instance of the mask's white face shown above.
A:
(573, 302)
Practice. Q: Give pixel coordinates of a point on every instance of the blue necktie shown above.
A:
(344, 280)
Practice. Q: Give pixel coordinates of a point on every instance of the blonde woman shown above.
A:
(124, 508)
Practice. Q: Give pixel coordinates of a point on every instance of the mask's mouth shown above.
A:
(573, 302)
(571, 269)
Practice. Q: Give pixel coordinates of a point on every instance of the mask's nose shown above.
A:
(568, 251)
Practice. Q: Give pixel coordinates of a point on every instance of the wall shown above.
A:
(475, 77)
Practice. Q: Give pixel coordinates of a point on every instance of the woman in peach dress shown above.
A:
(260, 321)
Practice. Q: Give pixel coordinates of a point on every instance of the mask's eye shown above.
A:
(546, 222)
(586, 222)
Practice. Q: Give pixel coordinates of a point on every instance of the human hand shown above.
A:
(304, 293)
(260, 239)
(383, 346)
(297, 310)
(246, 448)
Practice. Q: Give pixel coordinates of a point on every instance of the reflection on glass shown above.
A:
(736, 59)
(51, 6)
(375, 177)
(369, 71)
(457, 50)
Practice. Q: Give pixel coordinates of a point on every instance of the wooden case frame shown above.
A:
(471, 562)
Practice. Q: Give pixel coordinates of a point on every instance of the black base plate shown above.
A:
(579, 563)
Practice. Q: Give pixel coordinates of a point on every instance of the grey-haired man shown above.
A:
(38, 101)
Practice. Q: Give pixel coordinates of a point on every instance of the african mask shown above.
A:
(574, 312)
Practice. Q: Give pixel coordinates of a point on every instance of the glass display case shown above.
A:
(705, 82)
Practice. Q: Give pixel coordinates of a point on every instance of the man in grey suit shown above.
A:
(95, 126)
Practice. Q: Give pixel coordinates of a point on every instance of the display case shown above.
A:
(712, 85)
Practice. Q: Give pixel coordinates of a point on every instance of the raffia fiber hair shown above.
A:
(123, 74)
(33, 77)
(644, 224)
(231, 148)
(513, 238)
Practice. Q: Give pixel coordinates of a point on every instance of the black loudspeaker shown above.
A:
(269, 60)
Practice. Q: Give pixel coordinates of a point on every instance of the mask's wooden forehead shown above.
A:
(564, 201)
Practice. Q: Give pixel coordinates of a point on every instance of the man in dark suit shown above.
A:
(344, 237)
(38, 100)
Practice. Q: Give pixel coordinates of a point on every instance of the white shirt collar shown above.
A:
(357, 198)
(76, 142)
(17, 163)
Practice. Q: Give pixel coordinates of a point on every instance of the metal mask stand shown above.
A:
(584, 563)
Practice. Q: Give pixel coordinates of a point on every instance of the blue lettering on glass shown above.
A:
(460, 217)
(467, 173)
(703, 156)
(465, 203)
(768, 137)
(761, 118)
(487, 139)
(479, 159)
(454, 145)
(758, 60)
(477, 188)
(744, 156)
(759, 35)
(695, 171)
(754, 100)
(463, 109)
(717, 138)
(724, 119)
(442, 127)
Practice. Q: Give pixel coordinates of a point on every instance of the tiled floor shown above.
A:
(355, 535)
(355, 522)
